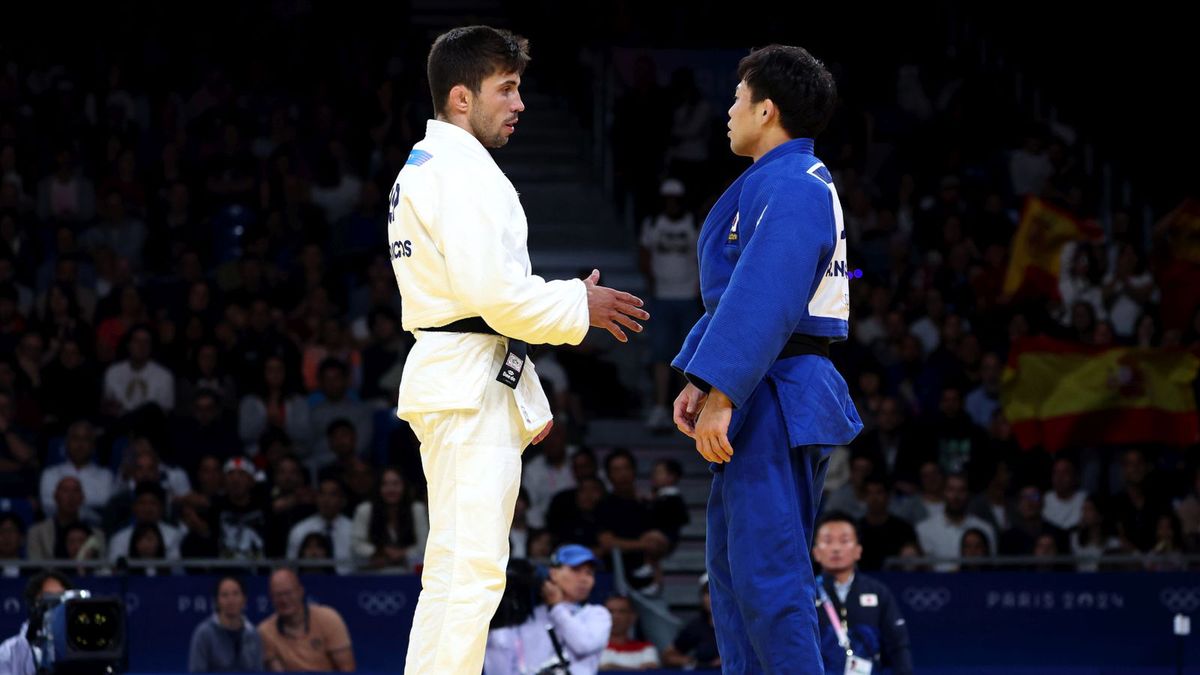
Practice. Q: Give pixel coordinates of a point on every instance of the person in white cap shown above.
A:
(457, 240)
(668, 262)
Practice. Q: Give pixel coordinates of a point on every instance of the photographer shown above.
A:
(560, 635)
(16, 655)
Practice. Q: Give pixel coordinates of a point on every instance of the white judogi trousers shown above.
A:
(472, 462)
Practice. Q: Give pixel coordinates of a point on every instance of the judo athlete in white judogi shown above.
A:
(457, 239)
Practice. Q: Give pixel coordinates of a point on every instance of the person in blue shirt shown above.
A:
(763, 402)
(865, 610)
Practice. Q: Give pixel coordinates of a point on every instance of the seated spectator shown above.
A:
(625, 525)
(334, 401)
(241, 513)
(292, 500)
(146, 544)
(582, 628)
(142, 465)
(302, 636)
(48, 539)
(83, 543)
(983, 401)
(930, 501)
(1093, 538)
(1029, 525)
(696, 645)
(18, 455)
(578, 520)
(940, 536)
(204, 430)
(315, 548)
(993, 505)
(1136, 508)
(342, 440)
(12, 543)
(274, 403)
(206, 373)
(882, 533)
(331, 499)
(850, 498)
(974, 545)
(668, 512)
(97, 482)
(624, 651)
(1063, 505)
(226, 641)
(583, 465)
(548, 473)
(148, 507)
(138, 380)
(390, 530)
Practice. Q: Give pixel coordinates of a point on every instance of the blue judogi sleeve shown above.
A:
(790, 229)
(688, 350)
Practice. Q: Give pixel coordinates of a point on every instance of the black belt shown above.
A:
(514, 360)
(799, 345)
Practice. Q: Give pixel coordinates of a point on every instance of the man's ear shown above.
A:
(459, 100)
(767, 111)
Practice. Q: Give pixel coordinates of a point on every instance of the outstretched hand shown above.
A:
(611, 309)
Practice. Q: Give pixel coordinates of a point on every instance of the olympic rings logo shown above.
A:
(923, 599)
(382, 603)
(1180, 600)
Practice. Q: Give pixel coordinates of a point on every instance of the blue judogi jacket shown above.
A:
(772, 263)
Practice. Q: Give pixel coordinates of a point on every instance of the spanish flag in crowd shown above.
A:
(1177, 267)
(1036, 252)
(1059, 394)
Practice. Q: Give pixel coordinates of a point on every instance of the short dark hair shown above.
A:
(10, 517)
(33, 588)
(800, 86)
(837, 517)
(333, 363)
(468, 55)
(228, 577)
(338, 424)
(619, 453)
(672, 466)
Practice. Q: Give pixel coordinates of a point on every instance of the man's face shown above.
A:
(286, 594)
(583, 466)
(493, 110)
(576, 582)
(1063, 477)
(837, 547)
(330, 500)
(68, 497)
(620, 472)
(147, 509)
(342, 442)
(333, 383)
(623, 616)
(80, 444)
(1029, 503)
(876, 498)
(744, 129)
(956, 495)
(288, 476)
(238, 483)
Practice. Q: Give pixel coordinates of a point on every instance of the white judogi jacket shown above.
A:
(457, 238)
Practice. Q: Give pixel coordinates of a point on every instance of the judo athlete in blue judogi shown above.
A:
(764, 403)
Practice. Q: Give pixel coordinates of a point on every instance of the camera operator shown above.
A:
(560, 635)
(16, 655)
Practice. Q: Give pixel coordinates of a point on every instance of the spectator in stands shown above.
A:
(390, 530)
(993, 505)
(142, 465)
(66, 195)
(983, 401)
(869, 615)
(625, 525)
(292, 500)
(940, 535)
(303, 636)
(930, 501)
(548, 473)
(205, 430)
(1135, 510)
(149, 505)
(342, 440)
(1187, 509)
(881, 532)
(316, 548)
(241, 513)
(582, 628)
(696, 645)
(1063, 505)
(336, 403)
(583, 465)
(578, 520)
(146, 544)
(74, 380)
(624, 650)
(668, 262)
(668, 512)
(12, 542)
(894, 445)
(850, 498)
(274, 403)
(1094, 537)
(331, 499)
(207, 372)
(18, 454)
(385, 353)
(226, 641)
(956, 440)
(47, 539)
(96, 481)
(974, 545)
(138, 380)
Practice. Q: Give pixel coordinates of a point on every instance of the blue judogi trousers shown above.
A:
(761, 516)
